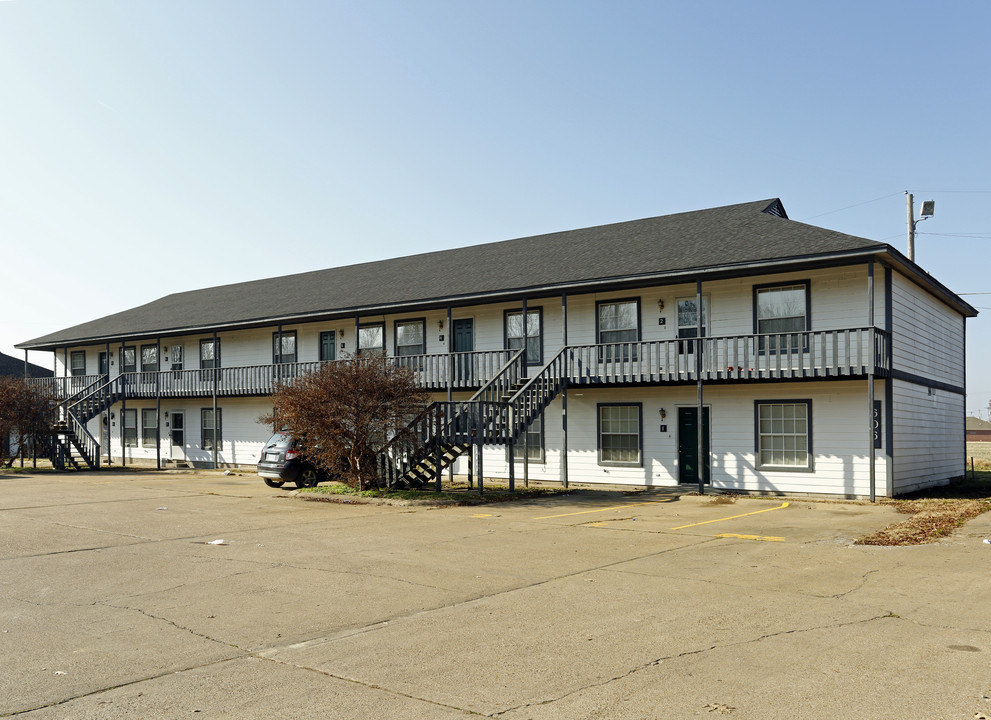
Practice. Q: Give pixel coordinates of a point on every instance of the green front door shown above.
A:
(688, 453)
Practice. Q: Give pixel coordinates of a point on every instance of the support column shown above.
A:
(526, 338)
(216, 379)
(564, 393)
(703, 463)
(106, 413)
(872, 455)
(450, 380)
(158, 405)
(481, 452)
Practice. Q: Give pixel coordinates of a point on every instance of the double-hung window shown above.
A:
(371, 339)
(619, 434)
(149, 427)
(529, 336)
(149, 358)
(619, 328)
(128, 359)
(781, 317)
(207, 427)
(534, 442)
(286, 353)
(209, 354)
(410, 337)
(77, 362)
(784, 434)
(130, 427)
(688, 321)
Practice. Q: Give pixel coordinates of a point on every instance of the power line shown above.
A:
(973, 236)
(848, 207)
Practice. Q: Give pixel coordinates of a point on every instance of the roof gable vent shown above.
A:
(776, 209)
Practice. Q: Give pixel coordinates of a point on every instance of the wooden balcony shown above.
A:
(822, 354)
(464, 371)
(806, 355)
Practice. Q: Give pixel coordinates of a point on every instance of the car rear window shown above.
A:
(278, 442)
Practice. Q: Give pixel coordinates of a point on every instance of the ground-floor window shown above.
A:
(534, 442)
(130, 427)
(620, 441)
(149, 427)
(784, 434)
(207, 426)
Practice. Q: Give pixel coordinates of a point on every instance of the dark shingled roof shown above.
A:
(724, 237)
(13, 367)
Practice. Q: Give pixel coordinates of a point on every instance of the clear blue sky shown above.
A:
(153, 147)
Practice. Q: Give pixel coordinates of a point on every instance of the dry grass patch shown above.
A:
(932, 519)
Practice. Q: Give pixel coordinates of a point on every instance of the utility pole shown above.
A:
(928, 208)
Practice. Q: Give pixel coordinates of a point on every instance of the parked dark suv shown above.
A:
(281, 462)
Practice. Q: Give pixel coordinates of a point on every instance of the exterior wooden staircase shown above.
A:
(498, 414)
(73, 446)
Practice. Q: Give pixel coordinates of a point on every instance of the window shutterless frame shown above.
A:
(128, 359)
(619, 326)
(773, 438)
(532, 338)
(129, 427)
(535, 442)
(371, 338)
(287, 353)
(783, 339)
(206, 428)
(410, 336)
(149, 358)
(616, 427)
(209, 355)
(77, 362)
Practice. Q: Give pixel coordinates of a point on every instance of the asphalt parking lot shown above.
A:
(115, 604)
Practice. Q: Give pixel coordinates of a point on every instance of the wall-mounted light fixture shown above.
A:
(165, 349)
(113, 416)
(440, 324)
(664, 413)
(660, 304)
(166, 414)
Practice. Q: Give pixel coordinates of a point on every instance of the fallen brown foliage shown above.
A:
(932, 519)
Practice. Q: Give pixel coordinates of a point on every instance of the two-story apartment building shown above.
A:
(820, 362)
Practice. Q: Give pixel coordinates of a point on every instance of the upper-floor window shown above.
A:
(149, 358)
(176, 357)
(286, 353)
(781, 312)
(128, 359)
(328, 345)
(618, 321)
(77, 362)
(411, 337)
(532, 335)
(209, 354)
(688, 321)
(371, 339)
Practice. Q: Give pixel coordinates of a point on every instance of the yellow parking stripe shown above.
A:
(614, 507)
(751, 537)
(732, 517)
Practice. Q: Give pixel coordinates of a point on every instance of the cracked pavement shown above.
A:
(594, 605)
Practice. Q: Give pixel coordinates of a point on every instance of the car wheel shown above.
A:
(307, 477)
(274, 483)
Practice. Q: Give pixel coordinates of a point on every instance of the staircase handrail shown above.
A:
(74, 399)
(421, 433)
(87, 445)
(107, 389)
(538, 392)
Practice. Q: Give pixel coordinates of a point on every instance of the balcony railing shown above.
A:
(819, 354)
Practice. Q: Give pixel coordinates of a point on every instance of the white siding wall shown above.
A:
(242, 435)
(840, 437)
(929, 440)
(927, 336)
